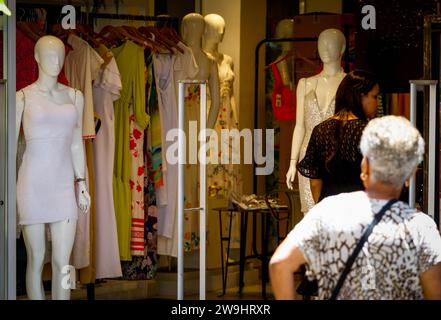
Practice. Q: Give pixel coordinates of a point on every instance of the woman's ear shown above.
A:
(406, 183)
(365, 170)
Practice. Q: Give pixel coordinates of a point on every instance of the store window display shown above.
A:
(53, 163)
(193, 64)
(283, 96)
(315, 98)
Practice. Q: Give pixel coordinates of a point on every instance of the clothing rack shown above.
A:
(90, 17)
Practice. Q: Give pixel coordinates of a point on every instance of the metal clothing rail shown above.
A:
(202, 187)
(174, 21)
(256, 83)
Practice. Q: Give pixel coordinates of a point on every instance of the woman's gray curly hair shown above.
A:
(394, 147)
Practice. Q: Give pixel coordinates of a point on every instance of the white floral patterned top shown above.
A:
(402, 246)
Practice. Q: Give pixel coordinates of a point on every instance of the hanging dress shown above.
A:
(106, 90)
(130, 60)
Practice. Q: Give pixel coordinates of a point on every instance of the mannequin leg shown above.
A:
(35, 241)
(63, 236)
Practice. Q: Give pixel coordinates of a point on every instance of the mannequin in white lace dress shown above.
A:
(224, 177)
(315, 103)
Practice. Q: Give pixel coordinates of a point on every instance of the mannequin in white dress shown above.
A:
(315, 103)
(51, 115)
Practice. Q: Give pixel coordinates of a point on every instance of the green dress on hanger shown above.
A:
(130, 60)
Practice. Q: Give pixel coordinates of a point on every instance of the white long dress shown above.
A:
(106, 90)
(168, 70)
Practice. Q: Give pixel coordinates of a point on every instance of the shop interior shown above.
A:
(125, 58)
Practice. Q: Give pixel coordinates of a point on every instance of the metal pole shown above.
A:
(181, 156)
(12, 146)
(413, 102)
(202, 191)
(432, 152)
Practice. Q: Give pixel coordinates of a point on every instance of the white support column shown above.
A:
(413, 103)
(12, 144)
(432, 152)
(181, 156)
(202, 190)
(432, 179)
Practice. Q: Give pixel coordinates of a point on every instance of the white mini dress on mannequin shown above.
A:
(51, 116)
(315, 103)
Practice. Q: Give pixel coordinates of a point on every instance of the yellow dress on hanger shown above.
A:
(130, 60)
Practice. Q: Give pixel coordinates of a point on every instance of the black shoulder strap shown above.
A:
(359, 246)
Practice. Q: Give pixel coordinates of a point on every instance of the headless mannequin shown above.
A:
(331, 46)
(49, 54)
(285, 29)
(214, 34)
(193, 27)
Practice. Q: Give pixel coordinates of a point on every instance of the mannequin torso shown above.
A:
(315, 92)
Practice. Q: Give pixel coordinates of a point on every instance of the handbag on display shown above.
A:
(310, 288)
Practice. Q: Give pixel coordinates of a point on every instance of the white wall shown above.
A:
(245, 26)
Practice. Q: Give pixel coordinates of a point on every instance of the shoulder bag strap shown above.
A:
(359, 246)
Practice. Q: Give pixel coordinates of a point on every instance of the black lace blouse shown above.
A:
(337, 166)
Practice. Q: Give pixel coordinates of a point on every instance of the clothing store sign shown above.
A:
(70, 18)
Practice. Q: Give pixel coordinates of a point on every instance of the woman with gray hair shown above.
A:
(401, 257)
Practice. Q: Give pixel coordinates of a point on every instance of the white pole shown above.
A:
(181, 156)
(432, 151)
(413, 102)
(202, 190)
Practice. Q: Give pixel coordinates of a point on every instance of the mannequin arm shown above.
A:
(298, 134)
(284, 73)
(213, 82)
(19, 107)
(232, 100)
(78, 157)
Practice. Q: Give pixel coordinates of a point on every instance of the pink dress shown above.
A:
(45, 184)
(106, 90)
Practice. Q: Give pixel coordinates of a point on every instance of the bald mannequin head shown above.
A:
(285, 28)
(214, 28)
(331, 45)
(49, 53)
(193, 26)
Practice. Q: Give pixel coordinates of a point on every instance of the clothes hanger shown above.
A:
(4, 8)
(154, 34)
(291, 53)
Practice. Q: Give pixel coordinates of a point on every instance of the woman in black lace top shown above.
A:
(332, 159)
